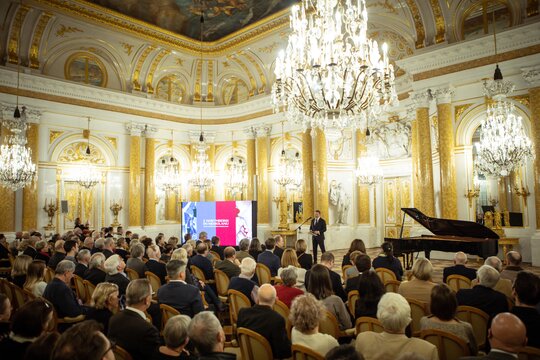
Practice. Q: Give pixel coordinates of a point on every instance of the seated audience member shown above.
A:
(59, 292)
(130, 327)
(28, 323)
(262, 319)
(42, 347)
(105, 303)
(526, 296)
(289, 259)
(287, 291)
(513, 260)
(182, 255)
(215, 246)
(243, 282)
(88, 243)
(108, 246)
(356, 245)
(327, 259)
(83, 259)
(154, 265)
(59, 254)
(443, 316)
(177, 293)
(279, 247)
(394, 313)
(206, 333)
(71, 248)
(96, 273)
(114, 267)
(304, 259)
(30, 249)
(99, 244)
(135, 262)
(42, 247)
(268, 258)
(306, 312)
(35, 278)
(20, 269)
(202, 262)
(507, 335)
(321, 288)
(503, 286)
(459, 268)
(243, 252)
(387, 260)
(420, 285)
(5, 315)
(209, 255)
(483, 296)
(352, 271)
(229, 265)
(344, 352)
(83, 341)
(175, 335)
(255, 248)
(121, 249)
(370, 289)
(362, 264)
(166, 253)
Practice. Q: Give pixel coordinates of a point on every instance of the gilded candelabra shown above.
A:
(281, 204)
(472, 194)
(523, 192)
(50, 208)
(115, 208)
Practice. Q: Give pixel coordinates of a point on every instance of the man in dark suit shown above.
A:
(83, 259)
(60, 294)
(483, 296)
(362, 263)
(526, 295)
(268, 258)
(154, 265)
(280, 245)
(130, 328)
(317, 229)
(327, 259)
(506, 337)
(201, 261)
(459, 268)
(31, 248)
(206, 333)
(177, 293)
(266, 322)
(230, 266)
(95, 273)
(216, 247)
(59, 254)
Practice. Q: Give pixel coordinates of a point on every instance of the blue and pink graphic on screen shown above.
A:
(230, 220)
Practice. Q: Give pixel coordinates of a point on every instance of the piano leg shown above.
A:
(427, 253)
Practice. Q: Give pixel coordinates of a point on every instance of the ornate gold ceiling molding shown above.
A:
(131, 111)
(100, 15)
(439, 21)
(244, 67)
(44, 20)
(509, 55)
(137, 72)
(15, 36)
(152, 70)
(418, 24)
(254, 62)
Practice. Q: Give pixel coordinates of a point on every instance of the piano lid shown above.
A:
(447, 227)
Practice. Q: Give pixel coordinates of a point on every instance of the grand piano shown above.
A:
(449, 236)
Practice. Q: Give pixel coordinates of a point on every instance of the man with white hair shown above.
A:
(31, 247)
(459, 268)
(59, 254)
(243, 282)
(394, 313)
(262, 319)
(206, 333)
(108, 247)
(513, 266)
(503, 286)
(88, 243)
(483, 296)
(154, 265)
(177, 293)
(59, 293)
(114, 267)
(96, 273)
(83, 260)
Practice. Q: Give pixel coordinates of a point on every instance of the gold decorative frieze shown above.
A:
(418, 24)
(54, 134)
(252, 81)
(522, 99)
(179, 62)
(44, 19)
(270, 48)
(113, 141)
(128, 48)
(14, 38)
(152, 70)
(210, 81)
(63, 30)
(386, 4)
(138, 67)
(197, 96)
(439, 21)
(459, 110)
(76, 152)
(254, 62)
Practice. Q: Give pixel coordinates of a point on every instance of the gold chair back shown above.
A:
(49, 274)
(154, 280)
(449, 346)
(89, 288)
(385, 274)
(283, 310)
(121, 354)
(344, 272)
(529, 353)
(263, 274)
(215, 255)
(329, 325)
(300, 352)
(458, 282)
(253, 346)
(167, 312)
(418, 310)
(132, 274)
(352, 297)
(222, 284)
(80, 289)
(365, 323)
(479, 321)
(392, 285)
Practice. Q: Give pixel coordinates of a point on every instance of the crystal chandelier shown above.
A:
(168, 175)
(503, 144)
(298, 173)
(286, 168)
(87, 175)
(331, 75)
(236, 173)
(369, 171)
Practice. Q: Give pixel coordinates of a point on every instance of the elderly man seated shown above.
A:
(513, 261)
(206, 333)
(243, 282)
(114, 267)
(60, 294)
(394, 313)
(459, 268)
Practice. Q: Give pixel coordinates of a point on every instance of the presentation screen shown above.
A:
(230, 220)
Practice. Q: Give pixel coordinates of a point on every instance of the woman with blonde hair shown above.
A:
(19, 270)
(182, 255)
(419, 285)
(305, 259)
(105, 303)
(35, 278)
(289, 259)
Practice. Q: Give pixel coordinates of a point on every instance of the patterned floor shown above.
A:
(438, 265)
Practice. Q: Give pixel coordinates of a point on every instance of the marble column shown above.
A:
(251, 163)
(425, 160)
(210, 193)
(149, 183)
(135, 176)
(362, 190)
(263, 145)
(307, 167)
(415, 158)
(7, 210)
(321, 174)
(448, 196)
(170, 209)
(30, 193)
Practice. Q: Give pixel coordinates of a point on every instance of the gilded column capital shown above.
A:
(531, 75)
(421, 99)
(250, 132)
(262, 130)
(135, 129)
(443, 95)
